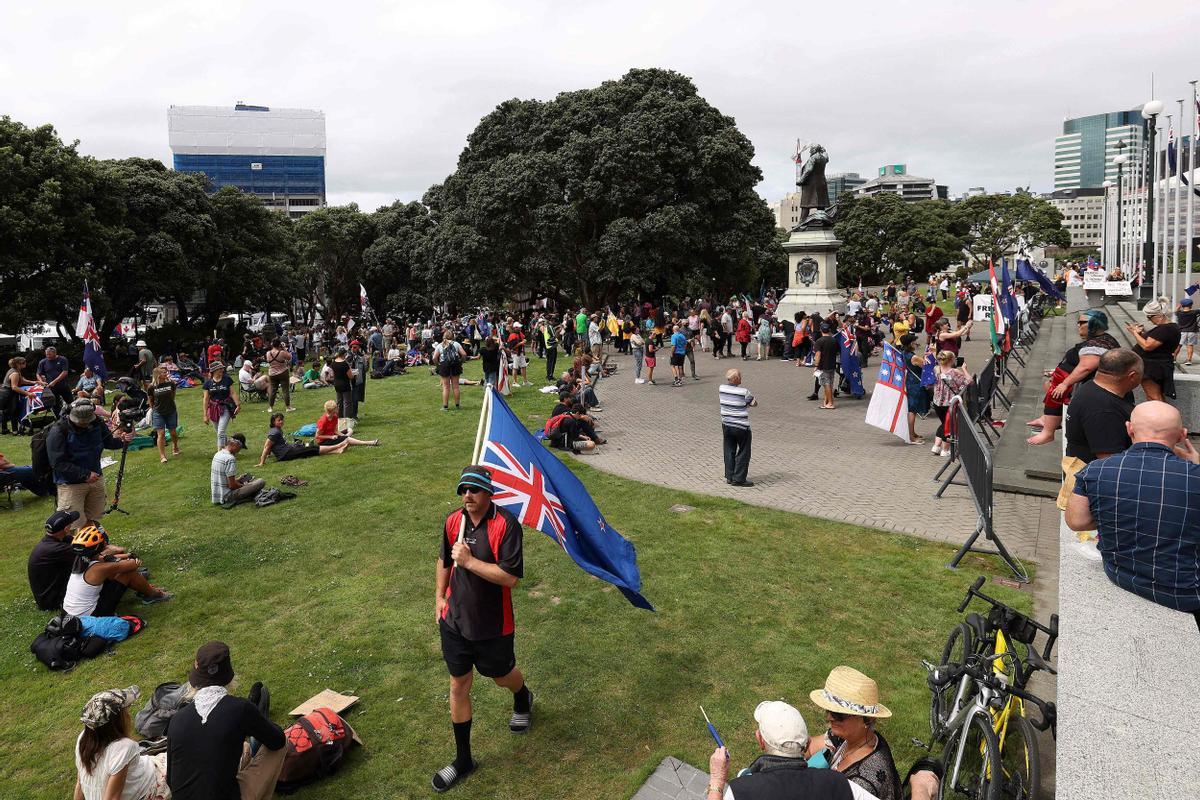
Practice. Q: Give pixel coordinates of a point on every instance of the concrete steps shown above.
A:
(1017, 465)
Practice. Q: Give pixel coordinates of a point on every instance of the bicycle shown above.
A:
(978, 702)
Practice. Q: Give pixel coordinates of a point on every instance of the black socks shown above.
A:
(521, 700)
(462, 744)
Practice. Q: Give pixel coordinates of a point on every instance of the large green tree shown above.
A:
(1003, 224)
(395, 264)
(632, 186)
(886, 238)
(331, 242)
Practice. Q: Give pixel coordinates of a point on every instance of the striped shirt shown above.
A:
(1146, 503)
(734, 402)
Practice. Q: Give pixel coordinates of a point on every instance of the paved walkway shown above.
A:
(827, 464)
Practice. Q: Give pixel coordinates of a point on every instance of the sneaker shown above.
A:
(270, 410)
(695, 377)
(291, 408)
(595, 408)
(149, 600)
(639, 380)
(937, 448)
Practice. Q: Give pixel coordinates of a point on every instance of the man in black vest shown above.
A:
(782, 771)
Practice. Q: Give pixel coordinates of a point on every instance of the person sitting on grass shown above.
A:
(226, 486)
(108, 762)
(573, 432)
(97, 582)
(208, 755)
(329, 432)
(23, 476)
(278, 445)
(312, 378)
(51, 560)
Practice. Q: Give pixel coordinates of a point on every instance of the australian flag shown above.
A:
(929, 367)
(541, 492)
(851, 364)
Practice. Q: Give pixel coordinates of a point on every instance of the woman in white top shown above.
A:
(109, 764)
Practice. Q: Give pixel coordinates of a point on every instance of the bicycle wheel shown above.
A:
(1019, 763)
(959, 645)
(977, 775)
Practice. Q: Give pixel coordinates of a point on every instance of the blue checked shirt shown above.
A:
(1146, 503)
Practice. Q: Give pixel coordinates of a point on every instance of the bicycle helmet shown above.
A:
(89, 539)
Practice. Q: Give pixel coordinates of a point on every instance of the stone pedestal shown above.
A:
(812, 274)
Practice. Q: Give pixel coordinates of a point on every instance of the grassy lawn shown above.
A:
(334, 589)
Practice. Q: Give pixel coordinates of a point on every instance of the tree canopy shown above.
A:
(885, 238)
(632, 185)
(1003, 224)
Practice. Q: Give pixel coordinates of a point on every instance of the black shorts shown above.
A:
(111, 593)
(449, 370)
(676, 359)
(494, 658)
(299, 451)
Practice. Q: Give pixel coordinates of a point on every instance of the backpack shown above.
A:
(553, 424)
(315, 746)
(151, 721)
(269, 497)
(39, 458)
(450, 353)
(61, 645)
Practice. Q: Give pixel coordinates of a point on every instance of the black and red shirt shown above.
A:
(476, 608)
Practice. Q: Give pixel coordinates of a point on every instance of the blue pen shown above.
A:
(716, 736)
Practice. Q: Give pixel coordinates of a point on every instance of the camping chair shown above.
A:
(251, 395)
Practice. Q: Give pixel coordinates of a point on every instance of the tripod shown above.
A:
(120, 479)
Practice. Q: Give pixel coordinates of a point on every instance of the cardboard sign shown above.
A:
(1094, 279)
(983, 308)
(1118, 289)
(325, 699)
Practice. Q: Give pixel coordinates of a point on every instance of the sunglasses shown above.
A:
(1081, 322)
(836, 717)
(471, 490)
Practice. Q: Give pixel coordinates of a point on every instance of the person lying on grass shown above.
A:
(289, 451)
(329, 432)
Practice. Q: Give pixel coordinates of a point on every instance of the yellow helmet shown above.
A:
(88, 539)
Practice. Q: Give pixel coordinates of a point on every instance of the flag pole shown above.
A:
(1178, 208)
(483, 412)
(1191, 203)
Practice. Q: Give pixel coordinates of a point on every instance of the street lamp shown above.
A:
(1150, 112)
(1120, 162)
(1104, 228)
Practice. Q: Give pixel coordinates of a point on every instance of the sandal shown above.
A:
(292, 480)
(449, 775)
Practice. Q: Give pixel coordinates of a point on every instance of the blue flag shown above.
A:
(1008, 300)
(928, 369)
(851, 365)
(542, 493)
(1028, 272)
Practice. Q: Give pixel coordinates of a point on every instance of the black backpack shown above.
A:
(60, 646)
(39, 458)
(167, 699)
(269, 497)
(450, 353)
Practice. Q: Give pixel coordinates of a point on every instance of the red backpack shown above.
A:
(552, 425)
(315, 745)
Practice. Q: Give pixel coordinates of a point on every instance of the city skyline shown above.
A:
(973, 97)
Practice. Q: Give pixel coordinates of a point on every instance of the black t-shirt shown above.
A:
(1168, 334)
(1095, 422)
(491, 359)
(164, 398)
(828, 352)
(560, 408)
(1186, 321)
(218, 391)
(478, 609)
(202, 757)
(279, 443)
(964, 310)
(49, 568)
(341, 375)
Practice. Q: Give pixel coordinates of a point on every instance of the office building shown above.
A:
(787, 211)
(842, 182)
(895, 178)
(1083, 214)
(1084, 152)
(275, 153)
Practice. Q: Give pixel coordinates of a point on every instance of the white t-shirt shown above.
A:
(853, 307)
(138, 781)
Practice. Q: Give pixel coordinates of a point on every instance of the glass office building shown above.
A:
(1084, 152)
(277, 154)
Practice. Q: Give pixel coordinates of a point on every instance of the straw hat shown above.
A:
(848, 691)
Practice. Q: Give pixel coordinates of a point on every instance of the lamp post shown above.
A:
(1120, 162)
(1150, 112)
(1104, 229)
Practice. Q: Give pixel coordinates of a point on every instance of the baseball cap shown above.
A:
(1187, 301)
(61, 519)
(782, 727)
(240, 438)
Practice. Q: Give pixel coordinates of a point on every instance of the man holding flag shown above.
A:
(482, 560)
(85, 329)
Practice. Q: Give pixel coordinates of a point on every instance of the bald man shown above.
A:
(735, 427)
(1145, 505)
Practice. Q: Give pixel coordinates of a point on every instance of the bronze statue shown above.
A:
(814, 190)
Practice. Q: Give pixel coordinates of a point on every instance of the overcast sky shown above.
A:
(971, 94)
